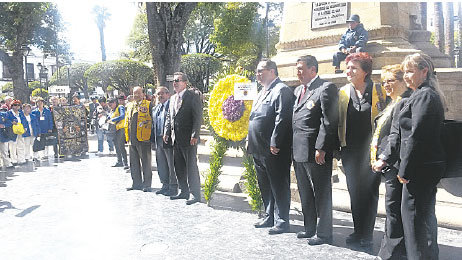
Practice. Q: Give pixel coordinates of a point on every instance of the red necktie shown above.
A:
(302, 93)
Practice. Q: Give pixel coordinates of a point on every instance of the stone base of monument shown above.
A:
(388, 45)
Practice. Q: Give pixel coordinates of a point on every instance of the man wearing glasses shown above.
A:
(182, 128)
(269, 142)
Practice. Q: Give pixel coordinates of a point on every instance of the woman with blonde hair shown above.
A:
(393, 239)
(417, 132)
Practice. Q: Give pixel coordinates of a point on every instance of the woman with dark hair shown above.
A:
(416, 130)
(358, 106)
(393, 239)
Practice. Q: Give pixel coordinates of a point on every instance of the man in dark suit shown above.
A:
(269, 142)
(183, 127)
(164, 151)
(315, 122)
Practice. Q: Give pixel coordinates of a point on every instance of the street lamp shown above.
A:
(25, 51)
(43, 74)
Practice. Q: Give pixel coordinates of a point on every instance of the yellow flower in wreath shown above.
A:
(228, 117)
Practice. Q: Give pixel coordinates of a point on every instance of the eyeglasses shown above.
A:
(261, 70)
(177, 80)
(389, 81)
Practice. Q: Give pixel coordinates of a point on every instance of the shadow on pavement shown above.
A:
(5, 205)
(27, 211)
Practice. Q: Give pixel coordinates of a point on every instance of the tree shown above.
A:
(23, 24)
(166, 23)
(439, 25)
(138, 39)
(120, 74)
(423, 15)
(459, 36)
(101, 16)
(198, 67)
(76, 73)
(200, 27)
(449, 30)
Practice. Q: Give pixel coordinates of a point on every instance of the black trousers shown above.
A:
(393, 240)
(315, 188)
(273, 174)
(119, 143)
(418, 213)
(363, 187)
(340, 56)
(187, 172)
(140, 159)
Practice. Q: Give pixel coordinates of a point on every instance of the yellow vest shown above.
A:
(143, 129)
(344, 99)
(121, 123)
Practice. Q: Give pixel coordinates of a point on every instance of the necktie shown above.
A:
(178, 102)
(302, 93)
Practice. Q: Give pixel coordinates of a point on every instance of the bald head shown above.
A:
(138, 94)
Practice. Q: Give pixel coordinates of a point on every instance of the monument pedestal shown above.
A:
(391, 27)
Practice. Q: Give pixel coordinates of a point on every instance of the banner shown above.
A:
(71, 123)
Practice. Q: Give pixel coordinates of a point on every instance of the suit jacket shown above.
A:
(163, 118)
(418, 126)
(185, 124)
(271, 120)
(315, 120)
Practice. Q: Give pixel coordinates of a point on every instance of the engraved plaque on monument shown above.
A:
(328, 13)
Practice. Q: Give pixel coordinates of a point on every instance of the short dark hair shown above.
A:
(310, 61)
(112, 100)
(270, 65)
(184, 76)
(102, 99)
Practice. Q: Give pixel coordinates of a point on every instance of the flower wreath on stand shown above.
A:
(229, 119)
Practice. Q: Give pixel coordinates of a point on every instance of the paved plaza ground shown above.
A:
(79, 209)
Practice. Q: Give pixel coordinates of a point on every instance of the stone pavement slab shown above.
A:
(80, 210)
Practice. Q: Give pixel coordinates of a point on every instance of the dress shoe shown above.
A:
(314, 241)
(118, 165)
(183, 196)
(192, 201)
(353, 238)
(169, 193)
(126, 167)
(278, 230)
(161, 191)
(147, 189)
(264, 223)
(132, 188)
(366, 243)
(304, 234)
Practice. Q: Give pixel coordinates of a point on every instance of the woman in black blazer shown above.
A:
(417, 130)
(393, 239)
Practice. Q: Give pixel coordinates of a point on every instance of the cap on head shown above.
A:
(353, 18)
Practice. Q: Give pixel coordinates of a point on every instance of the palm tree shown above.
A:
(449, 30)
(439, 25)
(101, 16)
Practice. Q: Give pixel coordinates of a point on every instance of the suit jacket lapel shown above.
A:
(309, 92)
(266, 93)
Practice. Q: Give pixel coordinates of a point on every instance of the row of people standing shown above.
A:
(318, 119)
(172, 128)
(16, 148)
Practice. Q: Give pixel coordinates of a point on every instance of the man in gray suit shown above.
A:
(314, 125)
(269, 137)
(164, 151)
(182, 128)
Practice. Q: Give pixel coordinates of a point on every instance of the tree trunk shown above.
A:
(449, 30)
(20, 90)
(439, 26)
(423, 15)
(101, 40)
(166, 23)
(459, 64)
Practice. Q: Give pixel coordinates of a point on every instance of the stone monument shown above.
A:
(315, 28)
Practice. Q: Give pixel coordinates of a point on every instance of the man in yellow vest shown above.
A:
(117, 129)
(138, 123)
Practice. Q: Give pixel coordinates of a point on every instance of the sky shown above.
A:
(82, 33)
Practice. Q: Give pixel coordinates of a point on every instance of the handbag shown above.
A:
(452, 142)
(50, 140)
(39, 144)
(7, 133)
(18, 129)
